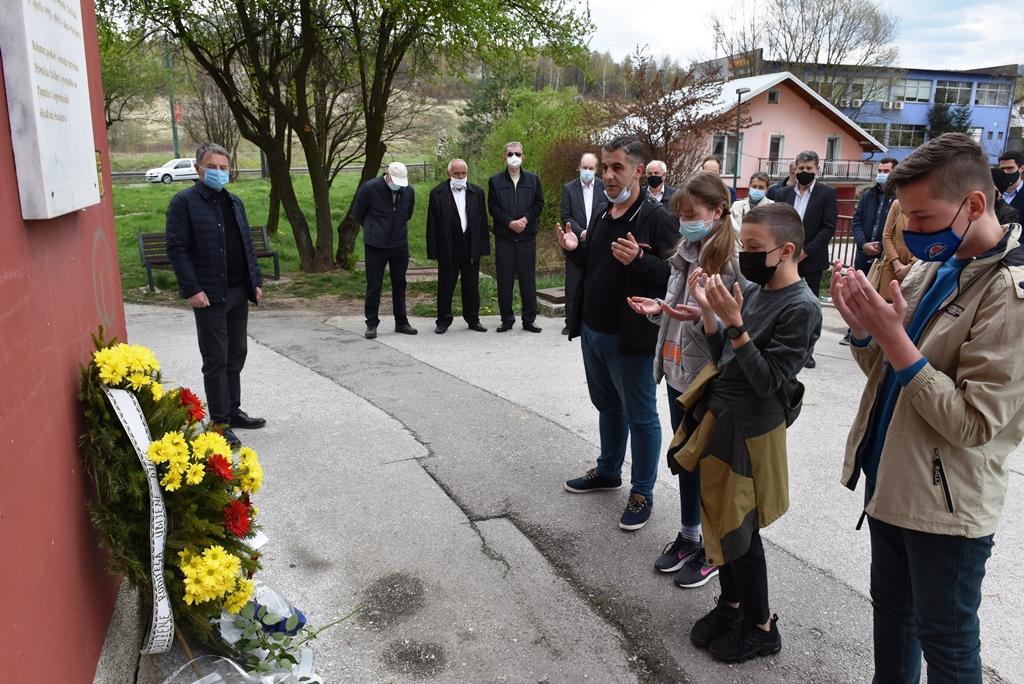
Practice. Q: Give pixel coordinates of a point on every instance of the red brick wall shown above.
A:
(59, 281)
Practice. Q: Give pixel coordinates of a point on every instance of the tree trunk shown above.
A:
(274, 210)
(281, 178)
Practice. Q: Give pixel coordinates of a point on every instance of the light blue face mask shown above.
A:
(695, 231)
(881, 178)
(587, 176)
(215, 179)
(394, 187)
(756, 195)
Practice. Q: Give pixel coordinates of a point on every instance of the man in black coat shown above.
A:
(818, 209)
(583, 201)
(788, 181)
(457, 237)
(657, 188)
(383, 207)
(1012, 164)
(515, 200)
(211, 251)
(869, 217)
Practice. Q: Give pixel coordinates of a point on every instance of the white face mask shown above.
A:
(625, 194)
(460, 183)
(514, 162)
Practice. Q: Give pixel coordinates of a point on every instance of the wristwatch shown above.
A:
(735, 332)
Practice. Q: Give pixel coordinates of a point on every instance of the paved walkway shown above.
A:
(421, 476)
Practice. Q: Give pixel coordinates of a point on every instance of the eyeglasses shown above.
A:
(513, 154)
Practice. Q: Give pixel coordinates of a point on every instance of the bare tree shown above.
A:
(828, 43)
(207, 117)
(673, 116)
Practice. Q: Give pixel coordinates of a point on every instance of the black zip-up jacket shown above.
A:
(195, 243)
(383, 216)
(507, 201)
(657, 231)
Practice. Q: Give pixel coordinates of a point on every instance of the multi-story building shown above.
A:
(893, 104)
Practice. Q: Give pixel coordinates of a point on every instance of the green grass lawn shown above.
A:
(140, 208)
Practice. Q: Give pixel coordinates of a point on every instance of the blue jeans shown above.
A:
(926, 591)
(623, 391)
(689, 483)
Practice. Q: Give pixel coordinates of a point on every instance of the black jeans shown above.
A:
(813, 281)
(222, 343)
(573, 277)
(514, 260)
(745, 581)
(448, 274)
(926, 591)
(396, 259)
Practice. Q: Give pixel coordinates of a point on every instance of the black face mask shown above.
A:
(805, 177)
(754, 267)
(654, 181)
(1012, 178)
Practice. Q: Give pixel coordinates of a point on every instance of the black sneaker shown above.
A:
(719, 621)
(638, 511)
(675, 554)
(747, 641)
(591, 482)
(695, 572)
(371, 332)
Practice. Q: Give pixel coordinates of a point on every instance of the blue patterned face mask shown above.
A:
(215, 178)
(938, 246)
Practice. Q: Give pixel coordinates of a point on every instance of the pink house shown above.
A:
(789, 118)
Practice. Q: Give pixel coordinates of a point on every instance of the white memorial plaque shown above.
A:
(43, 52)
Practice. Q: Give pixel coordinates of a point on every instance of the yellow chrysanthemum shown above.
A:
(137, 380)
(251, 476)
(171, 481)
(195, 474)
(157, 390)
(238, 598)
(209, 443)
(211, 575)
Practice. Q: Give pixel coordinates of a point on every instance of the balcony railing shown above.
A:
(831, 169)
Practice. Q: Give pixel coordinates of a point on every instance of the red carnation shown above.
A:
(236, 518)
(194, 405)
(219, 465)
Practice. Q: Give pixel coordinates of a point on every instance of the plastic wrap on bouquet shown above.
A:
(217, 670)
(289, 622)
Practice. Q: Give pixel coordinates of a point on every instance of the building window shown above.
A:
(906, 135)
(875, 130)
(867, 89)
(993, 95)
(910, 90)
(990, 135)
(953, 92)
(773, 97)
(976, 134)
(999, 136)
(724, 146)
(832, 147)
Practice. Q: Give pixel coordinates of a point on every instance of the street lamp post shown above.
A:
(736, 160)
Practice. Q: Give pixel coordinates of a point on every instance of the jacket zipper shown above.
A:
(939, 477)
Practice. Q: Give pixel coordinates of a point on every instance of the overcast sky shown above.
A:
(933, 34)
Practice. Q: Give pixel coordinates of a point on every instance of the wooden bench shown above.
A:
(153, 252)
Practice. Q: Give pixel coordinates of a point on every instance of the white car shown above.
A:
(176, 169)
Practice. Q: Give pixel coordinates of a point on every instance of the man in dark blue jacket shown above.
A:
(383, 207)
(583, 201)
(515, 200)
(210, 248)
(869, 217)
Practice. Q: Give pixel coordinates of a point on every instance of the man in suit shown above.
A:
(515, 200)
(816, 204)
(657, 188)
(1012, 164)
(788, 181)
(583, 201)
(457, 237)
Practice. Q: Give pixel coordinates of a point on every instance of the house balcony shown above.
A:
(835, 170)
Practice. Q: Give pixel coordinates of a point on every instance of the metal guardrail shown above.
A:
(831, 169)
(422, 169)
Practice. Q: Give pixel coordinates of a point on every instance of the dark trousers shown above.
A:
(448, 274)
(573, 276)
(745, 581)
(514, 260)
(926, 591)
(396, 259)
(813, 281)
(689, 483)
(222, 344)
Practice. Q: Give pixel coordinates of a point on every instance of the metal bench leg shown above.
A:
(149, 277)
(277, 268)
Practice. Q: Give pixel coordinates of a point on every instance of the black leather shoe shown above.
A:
(245, 421)
(477, 327)
(504, 327)
(565, 330)
(406, 329)
(811, 363)
(441, 329)
(233, 441)
(530, 327)
(371, 332)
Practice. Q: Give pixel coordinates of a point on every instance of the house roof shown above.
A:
(759, 84)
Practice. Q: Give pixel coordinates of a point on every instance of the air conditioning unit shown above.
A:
(858, 103)
(844, 103)
(887, 105)
(897, 105)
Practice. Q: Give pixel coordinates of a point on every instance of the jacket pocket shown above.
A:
(939, 479)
